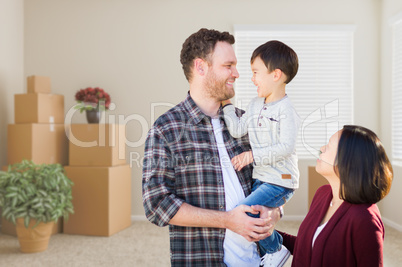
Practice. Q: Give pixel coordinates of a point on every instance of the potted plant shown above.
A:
(34, 197)
(92, 101)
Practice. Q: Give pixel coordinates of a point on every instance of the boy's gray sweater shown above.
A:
(272, 130)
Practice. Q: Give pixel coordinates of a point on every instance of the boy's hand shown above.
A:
(252, 229)
(242, 160)
(271, 213)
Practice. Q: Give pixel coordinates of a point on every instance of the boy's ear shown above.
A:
(199, 66)
(277, 74)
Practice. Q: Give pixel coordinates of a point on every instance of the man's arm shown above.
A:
(236, 220)
(162, 207)
(158, 180)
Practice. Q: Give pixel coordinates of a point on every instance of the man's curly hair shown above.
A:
(201, 45)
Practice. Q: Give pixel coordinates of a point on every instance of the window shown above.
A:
(322, 91)
(397, 90)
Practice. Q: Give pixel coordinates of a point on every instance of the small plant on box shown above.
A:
(92, 99)
(35, 192)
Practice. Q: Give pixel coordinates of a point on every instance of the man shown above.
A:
(188, 180)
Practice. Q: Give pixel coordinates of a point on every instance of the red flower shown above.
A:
(90, 97)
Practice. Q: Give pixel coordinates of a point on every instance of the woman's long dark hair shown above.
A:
(363, 166)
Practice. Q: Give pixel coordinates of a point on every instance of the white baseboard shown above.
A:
(386, 221)
(292, 217)
(392, 224)
(142, 218)
(138, 218)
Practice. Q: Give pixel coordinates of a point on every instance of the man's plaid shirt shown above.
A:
(181, 164)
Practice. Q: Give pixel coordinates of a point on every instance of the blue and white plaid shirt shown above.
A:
(181, 164)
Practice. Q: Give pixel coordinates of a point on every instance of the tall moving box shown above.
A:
(38, 84)
(38, 133)
(101, 200)
(41, 143)
(102, 180)
(315, 180)
(38, 108)
(97, 145)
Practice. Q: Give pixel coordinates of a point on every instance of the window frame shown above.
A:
(326, 109)
(396, 106)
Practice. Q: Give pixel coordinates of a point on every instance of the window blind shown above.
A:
(322, 91)
(397, 92)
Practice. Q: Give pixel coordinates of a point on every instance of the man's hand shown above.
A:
(253, 229)
(242, 160)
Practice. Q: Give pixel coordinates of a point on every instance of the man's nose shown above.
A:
(235, 73)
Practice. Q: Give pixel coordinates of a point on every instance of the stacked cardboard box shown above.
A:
(38, 133)
(102, 180)
(315, 180)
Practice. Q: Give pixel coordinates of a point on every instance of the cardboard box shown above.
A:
(38, 84)
(315, 180)
(8, 228)
(39, 108)
(100, 145)
(41, 143)
(101, 200)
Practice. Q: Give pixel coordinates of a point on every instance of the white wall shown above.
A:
(390, 206)
(11, 65)
(131, 49)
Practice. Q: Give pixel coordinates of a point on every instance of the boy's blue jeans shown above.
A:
(268, 195)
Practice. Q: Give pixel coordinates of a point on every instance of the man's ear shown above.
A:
(199, 66)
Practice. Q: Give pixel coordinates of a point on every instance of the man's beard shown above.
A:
(217, 89)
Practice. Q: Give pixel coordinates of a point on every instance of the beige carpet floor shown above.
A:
(142, 244)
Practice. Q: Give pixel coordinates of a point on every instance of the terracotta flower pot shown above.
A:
(33, 239)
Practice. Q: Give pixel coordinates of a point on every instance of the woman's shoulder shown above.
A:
(323, 193)
(324, 189)
(365, 211)
(364, 218)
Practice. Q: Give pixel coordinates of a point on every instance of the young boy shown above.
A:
(272, 125)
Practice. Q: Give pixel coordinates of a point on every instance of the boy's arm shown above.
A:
(237, 126)
(288, 124)
(242, 160)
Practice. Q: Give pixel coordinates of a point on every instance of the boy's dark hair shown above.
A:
(201, 45)
(362, 165)
(277, 55)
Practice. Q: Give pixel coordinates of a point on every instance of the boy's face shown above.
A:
(262, 78)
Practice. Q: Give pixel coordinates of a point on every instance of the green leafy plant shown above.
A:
(31, 191)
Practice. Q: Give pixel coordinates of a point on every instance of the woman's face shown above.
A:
(325, 163)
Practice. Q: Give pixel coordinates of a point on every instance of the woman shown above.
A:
(343, 226)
